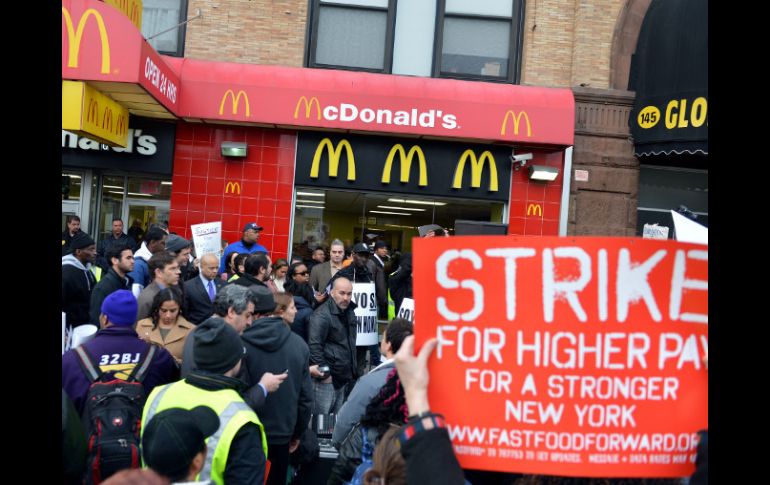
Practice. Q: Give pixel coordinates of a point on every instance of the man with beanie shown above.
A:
(271, 346)
(238, 449)
(181, 248)
(77, 280)
(248, 244)
(118, 349)
(174, 443)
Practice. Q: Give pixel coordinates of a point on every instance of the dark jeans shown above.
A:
(279, 464)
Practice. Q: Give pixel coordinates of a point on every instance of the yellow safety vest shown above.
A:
(233, 414)
(97, 271)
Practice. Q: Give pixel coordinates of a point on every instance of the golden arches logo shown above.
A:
(232, 187)
(75, 37)
(236, 100)
(308, 107)
(92, 116)
(516, 121)
(107, 119)
(477, 167)
(121, 126)
(535, 209)
(406, 164)
(334, 158)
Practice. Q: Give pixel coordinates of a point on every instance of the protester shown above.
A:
(369, 385)
(154, 242)
(248, 244)
(239, 263)
(388, 409)
(323, 272)
(115, 236)
(278, 276)
(332, 342)
(118, 349)
(165, 273)
(174, 442)
(166, 326)
(388, 465)
(201, 291)
(271, 346)
(77, 281)
(121, 259)
(230, 269)
(73, 227)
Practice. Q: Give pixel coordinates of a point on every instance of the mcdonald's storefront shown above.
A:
(332, 154)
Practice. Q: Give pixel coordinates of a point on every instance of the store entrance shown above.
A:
(140, 213)
(321, 216)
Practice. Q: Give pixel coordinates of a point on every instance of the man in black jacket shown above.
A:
(121, 259)
(332, 342)
(77, 280)
(271, 346)
(116, 236)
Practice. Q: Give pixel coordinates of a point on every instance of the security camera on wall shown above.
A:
(521, 158)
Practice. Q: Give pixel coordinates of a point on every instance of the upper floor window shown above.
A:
(165, 15)
(479, 39)
(352, 34)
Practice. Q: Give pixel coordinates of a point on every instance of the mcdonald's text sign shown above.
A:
(409, 166)
(88, 112)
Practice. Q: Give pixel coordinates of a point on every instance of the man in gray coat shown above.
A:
(368, 386)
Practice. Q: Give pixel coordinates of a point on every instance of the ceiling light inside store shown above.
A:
(394, 213)
(309, 201)
(311, 194)
(112, 187)
(422, 202)
(401, 208)
(399, 226)
(137, 193)
(311, 206)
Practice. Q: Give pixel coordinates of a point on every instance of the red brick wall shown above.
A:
(265, 177)
(525, 219)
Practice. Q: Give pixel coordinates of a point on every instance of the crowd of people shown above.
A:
(232, 356)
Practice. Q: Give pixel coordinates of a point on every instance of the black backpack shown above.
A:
(112, 417)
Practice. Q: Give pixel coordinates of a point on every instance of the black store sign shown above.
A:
(150, 149)
(403, 165)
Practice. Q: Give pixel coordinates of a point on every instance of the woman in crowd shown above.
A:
(287, 309)
(297, 283)
(239, 267)
(166, 326)
(386, 410)
(278, 276)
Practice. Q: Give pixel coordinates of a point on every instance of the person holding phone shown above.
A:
(271, 346)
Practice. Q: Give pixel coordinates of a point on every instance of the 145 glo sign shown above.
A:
(574, 356)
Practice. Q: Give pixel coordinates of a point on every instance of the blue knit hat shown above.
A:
(120, 308)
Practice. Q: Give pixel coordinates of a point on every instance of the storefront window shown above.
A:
(663, 189)
(113, 190)
(71, 189)
(321, 216)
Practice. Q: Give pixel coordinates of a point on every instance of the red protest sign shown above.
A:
(567, 356)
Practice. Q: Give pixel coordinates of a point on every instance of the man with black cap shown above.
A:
(118, 349)
(181, 248)
(248, 244)
(77, 280)
(238, 451)
(174, 442)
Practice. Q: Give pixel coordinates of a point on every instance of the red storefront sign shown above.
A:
(573, 356)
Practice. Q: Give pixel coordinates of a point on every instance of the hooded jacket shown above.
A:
(141, 272)
(77, 283)
(271, 346)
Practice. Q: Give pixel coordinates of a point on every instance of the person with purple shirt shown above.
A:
(118, 349)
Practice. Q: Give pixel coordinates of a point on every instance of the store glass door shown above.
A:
(140, 213)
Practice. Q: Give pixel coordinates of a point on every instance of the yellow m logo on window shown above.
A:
(535, 209)
(406, 164)
(477, 167)
(334, 158)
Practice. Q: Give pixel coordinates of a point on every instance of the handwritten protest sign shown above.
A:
(573, 356)
(366, 313)
(207, 238)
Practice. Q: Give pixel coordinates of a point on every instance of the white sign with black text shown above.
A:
(365, 298)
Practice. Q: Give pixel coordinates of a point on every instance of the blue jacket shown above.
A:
(141, 272)
(117, 350)
(240, 248)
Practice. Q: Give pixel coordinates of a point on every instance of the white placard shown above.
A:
(82, 334)
(406, 311)
(207, 238)
(654, 231)
(365, 298)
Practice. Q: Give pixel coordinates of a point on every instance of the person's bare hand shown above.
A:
(272, 381)
(413, 373)
(293, 445)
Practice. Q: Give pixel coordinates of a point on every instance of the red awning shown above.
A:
(357, 101)
(101, 45)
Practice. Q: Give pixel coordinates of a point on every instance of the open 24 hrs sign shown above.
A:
(573, 356)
